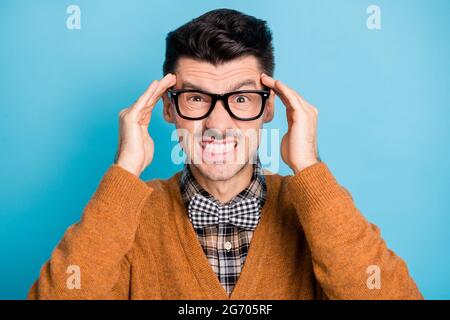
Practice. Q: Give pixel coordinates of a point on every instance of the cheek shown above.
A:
(188, 129)
(251, 126)
(251, 131)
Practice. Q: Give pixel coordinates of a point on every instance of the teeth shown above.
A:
(219, 147)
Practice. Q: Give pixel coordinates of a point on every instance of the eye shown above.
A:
(241, 99)
(196, 98)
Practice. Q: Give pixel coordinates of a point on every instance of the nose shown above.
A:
(219, 118)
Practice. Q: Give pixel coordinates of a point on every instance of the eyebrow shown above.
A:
(248, 82)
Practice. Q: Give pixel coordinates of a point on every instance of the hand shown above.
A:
(299, 144)
(136, 148)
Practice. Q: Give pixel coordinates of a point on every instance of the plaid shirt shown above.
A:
(225, 245)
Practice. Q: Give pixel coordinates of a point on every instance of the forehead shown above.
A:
(225, 77)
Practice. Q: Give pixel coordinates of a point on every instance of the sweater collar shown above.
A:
(257, 254)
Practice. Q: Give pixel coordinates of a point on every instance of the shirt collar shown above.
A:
(189, 187)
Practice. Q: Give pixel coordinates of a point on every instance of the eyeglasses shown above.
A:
(242, 105)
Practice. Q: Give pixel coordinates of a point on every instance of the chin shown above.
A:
(219, 171)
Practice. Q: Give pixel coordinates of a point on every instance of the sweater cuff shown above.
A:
(120, 187)
(315, 187)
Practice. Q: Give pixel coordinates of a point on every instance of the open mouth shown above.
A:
(218, 150)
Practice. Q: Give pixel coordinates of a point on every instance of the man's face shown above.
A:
(219, 146)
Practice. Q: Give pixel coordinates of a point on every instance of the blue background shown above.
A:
(383, 98)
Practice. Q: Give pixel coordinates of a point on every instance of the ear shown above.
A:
(167, 109)
(270, 107)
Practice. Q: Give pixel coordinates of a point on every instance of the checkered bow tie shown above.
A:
(204, 212)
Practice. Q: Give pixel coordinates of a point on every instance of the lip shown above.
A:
(217, 150)
(226, 140)
(207, 141)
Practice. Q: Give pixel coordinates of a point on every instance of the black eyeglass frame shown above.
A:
(174, 94)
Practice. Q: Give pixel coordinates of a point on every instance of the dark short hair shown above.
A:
(219, 36)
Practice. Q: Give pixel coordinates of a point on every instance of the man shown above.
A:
(222, 228)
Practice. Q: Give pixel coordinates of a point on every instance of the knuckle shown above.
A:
(125, 116)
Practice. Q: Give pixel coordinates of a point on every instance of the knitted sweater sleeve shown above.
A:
(350, 259)
(92, 261)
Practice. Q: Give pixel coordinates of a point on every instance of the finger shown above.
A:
(267, 80)
(165, 83)
(143, 101)
(168, 81)
(281, 90)
(144, 112)
(140, 103)
(289, 94)
(306, 104)
(272, 83)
